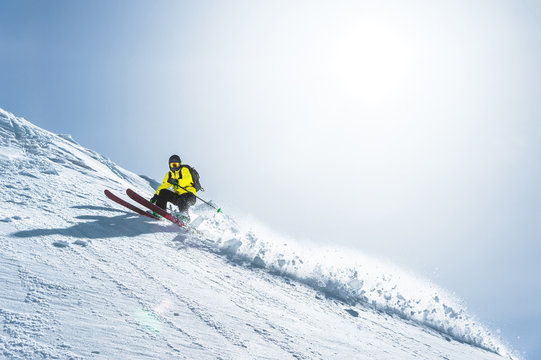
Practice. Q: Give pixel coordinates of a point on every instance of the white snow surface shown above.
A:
(84, 278)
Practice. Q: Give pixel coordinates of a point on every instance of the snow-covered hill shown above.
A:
(82, 278)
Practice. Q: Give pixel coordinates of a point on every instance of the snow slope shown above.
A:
(82, 278)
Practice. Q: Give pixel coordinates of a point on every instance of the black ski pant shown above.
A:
(183, 201)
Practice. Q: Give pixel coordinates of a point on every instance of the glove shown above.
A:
(172, 181)
(154, 199)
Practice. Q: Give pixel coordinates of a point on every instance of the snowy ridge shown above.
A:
(74, 264)
(39, 151)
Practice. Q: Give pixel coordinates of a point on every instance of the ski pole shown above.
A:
(209, 204)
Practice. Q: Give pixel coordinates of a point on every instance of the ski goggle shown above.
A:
(174, 165)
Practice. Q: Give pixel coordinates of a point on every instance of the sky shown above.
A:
(409, 131)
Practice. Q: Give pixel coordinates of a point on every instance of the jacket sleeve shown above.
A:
(187, 180)
(164, 185)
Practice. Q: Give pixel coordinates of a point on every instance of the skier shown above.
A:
(183, 194)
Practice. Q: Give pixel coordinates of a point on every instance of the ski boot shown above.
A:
(182, 216)
(153, 200)
(153, 213)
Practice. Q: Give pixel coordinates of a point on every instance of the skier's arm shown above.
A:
(164, 185)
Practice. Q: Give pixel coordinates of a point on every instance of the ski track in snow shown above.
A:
(84, 278)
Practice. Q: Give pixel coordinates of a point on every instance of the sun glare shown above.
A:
(372, 61)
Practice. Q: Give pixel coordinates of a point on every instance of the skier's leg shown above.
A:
(184, 201)
(164, 197)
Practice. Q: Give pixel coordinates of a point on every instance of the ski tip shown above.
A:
(219, 210)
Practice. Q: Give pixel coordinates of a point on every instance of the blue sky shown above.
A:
(409, 131)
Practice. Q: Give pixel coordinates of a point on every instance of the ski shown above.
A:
(158, 210)
(118, 200)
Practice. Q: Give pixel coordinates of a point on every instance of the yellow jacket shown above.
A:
(184, 179)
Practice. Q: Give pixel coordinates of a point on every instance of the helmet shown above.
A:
(174, 160)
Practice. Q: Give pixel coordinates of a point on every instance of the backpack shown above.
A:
(195, 177)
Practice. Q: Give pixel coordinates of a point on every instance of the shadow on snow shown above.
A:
(100, 227)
